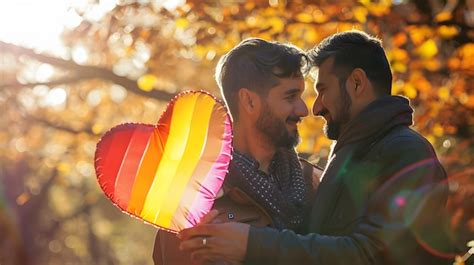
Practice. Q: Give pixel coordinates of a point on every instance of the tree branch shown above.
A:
(60, 81)
(84, 71)
(61, 127)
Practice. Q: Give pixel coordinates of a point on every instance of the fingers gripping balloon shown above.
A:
(168, 174)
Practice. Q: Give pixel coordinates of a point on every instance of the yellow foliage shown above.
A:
(98, 128)
(427, 50)
(397, 87)
(274, 3)
(469, 102)
(304, 17)
(399, 39)
(432, 64)
(443, 93)
(277, 24)
(447, 32)
(305, 146)
(346, 26)
(378, 9)
(410, 91)
(312, 36)
(309, 101)
(147, 82)
(418, 35)
(451, 129)
(466, 53)
(182, 23)
(419, 81)
(360, 14)
(145, 34)
(443, 16)
(319, 16)
(322, 141)
(252, 21)
(64, 167)
(268, 12)
(454, 63)
(399, 67)
(438, 130)
(399, 55)
(249, 5)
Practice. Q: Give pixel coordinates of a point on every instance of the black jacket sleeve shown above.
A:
(400, 212)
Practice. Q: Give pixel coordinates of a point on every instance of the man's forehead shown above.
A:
(324, 71)
(289, 83)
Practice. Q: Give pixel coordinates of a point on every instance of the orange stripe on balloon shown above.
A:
(130, 163)
(172, 155)
(194, 151)
(209, 156)
(149, 165)
(146, 173)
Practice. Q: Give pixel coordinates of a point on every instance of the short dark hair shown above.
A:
(355, 49)
(257, 64)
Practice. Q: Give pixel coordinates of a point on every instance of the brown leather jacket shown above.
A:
(234, 206)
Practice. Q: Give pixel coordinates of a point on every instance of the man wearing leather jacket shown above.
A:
(267, 184)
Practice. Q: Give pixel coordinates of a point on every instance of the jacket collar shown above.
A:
(376, 119)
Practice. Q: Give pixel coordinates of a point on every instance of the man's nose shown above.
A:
(302, 109)
(317, 106)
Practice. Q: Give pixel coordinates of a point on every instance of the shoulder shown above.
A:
(407, 142)
(405, 150)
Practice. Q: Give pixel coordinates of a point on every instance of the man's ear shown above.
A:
(248, 100)
(357, 82)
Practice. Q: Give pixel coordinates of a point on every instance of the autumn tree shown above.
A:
(123, 60)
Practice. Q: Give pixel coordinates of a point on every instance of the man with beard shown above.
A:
(383, 191)
(262, 83)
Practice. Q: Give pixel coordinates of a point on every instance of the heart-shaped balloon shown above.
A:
(168, 174)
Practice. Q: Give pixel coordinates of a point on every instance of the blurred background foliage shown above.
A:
(72, 69)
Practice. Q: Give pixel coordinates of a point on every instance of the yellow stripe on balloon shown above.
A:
(210, 154)
(192, 155)
(172, 155)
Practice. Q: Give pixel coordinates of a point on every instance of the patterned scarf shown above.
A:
(283, 193)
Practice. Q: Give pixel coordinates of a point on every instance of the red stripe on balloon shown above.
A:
(101, 158)
(112, 153)
(131, 161)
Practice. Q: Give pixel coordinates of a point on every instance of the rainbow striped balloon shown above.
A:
(168, 174)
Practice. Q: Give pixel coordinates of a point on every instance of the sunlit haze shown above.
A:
(38, 24)
(30, 23)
